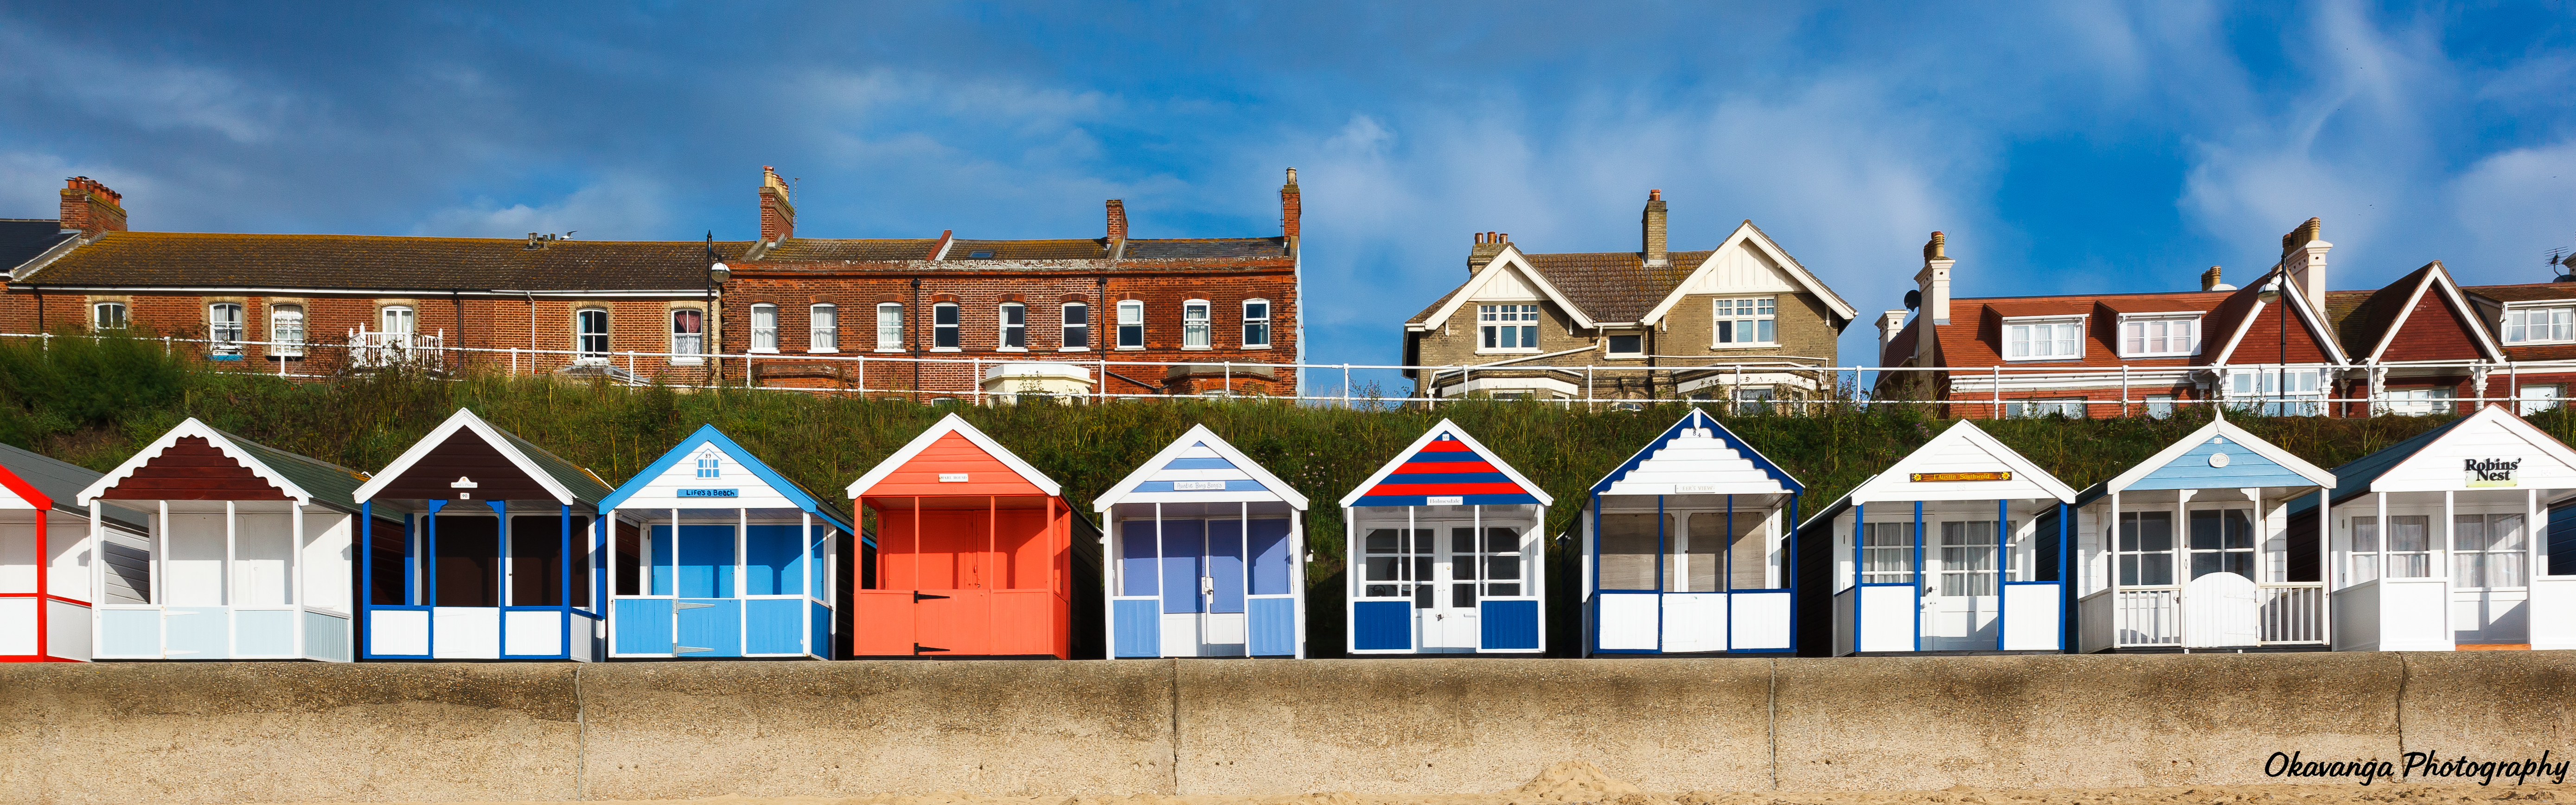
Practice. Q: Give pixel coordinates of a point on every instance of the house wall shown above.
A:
(294, 732)
(1805, 334)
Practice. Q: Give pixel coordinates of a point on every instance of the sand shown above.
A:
(1582, 783)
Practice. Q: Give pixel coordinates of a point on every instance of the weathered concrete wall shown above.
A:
(235, 732)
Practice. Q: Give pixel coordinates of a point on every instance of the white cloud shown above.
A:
(615, 208)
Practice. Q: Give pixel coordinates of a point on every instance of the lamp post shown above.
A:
(717, 273)
(2270, 294)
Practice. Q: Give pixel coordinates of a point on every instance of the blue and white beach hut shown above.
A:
(1940, 553)
(2437, 542)
(2205, 556)
(500, 560)
(1446, 552)
(1208, 551)
(1686, 549)
(714, 554)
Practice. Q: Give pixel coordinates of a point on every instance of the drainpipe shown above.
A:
(917, 349)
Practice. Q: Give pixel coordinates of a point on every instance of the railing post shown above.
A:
(1998, 413)
(975, 375)
(1346, 386)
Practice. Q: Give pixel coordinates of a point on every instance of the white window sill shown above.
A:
(687, 361)
(1010, 349)
(1624, 357)
(890, 349)
(764, 350)
(1075, 349)
(1131, 349)
(1741, 345)
(1256, 346)
(2533, 344)
(2154, 355)
(824, 351)
(947, 349)
(1507, 352)
(2044, 360)
(1196, 349)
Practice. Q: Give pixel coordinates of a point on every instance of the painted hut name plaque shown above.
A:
(1943, 477)
(1198, 486)
(2491, 471)
(710, 493)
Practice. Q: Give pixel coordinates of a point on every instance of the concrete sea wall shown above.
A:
(238, 732)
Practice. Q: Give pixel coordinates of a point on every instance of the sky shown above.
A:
(2063, 147)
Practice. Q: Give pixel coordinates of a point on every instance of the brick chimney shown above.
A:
(1290, 209)
(92, 208)
(1117, 220)
(777, 215)
(1488, 246)
(1934, 279)
(1656, 255)
(2209, 281)
(2303, 257)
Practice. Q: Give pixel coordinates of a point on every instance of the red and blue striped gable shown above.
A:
(1449, 470)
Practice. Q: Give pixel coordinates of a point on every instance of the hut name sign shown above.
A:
(710, 493)
(2491, 471)
(1942, 477)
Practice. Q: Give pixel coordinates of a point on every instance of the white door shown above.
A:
(2490, 585)
(1449, 620)
(1959, 609)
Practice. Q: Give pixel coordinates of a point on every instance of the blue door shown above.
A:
(709, 627)
(1184, 562)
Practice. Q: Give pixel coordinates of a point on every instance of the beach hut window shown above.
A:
(1887, 553)
(2487, 550)
(1628, 549)
(2222, 541)
(2146, 549)
(1696, 559)
(469, 561)
(1496, 564)
(1397, 560)
(2365, 551)
(2410, 545)
(710, 467)
(536, 565)
(1967, 558)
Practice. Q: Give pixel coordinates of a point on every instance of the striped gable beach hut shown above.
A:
(1447, 553)
(1208, 554)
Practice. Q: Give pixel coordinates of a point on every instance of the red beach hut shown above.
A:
(976, 555)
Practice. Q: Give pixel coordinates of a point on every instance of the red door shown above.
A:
(882, 623)
(953, 623)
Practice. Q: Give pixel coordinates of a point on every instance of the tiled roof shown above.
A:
(1974, 336)
(1225, 248)
(21, 239)
(380, 263)
(1615, 286)
(2348, 312)
(2533, 292)
(961, 251)
(857, 249)
(1097, 249)
(1425, 315)
(2377, 312)
(1900, 350)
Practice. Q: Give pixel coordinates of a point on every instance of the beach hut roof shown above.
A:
(708, 436)
(2426, 463)
(1963, 463)
(946, 427)
(306, 480)
(1446, 463)
(1698, 456)
(465, 440)
(2193, 462)
(1199, 467)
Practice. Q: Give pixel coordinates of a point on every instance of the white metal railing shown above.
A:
(2293, 612)
(895, 373)
(2147, 617)
(377, 349)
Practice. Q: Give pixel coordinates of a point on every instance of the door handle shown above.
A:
(921, 596)
(688, 605)
(1207, 585)
(919, 648)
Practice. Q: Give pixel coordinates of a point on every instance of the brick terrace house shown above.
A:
(1525, 325)
(2396, 349)
(317, 304)
(1000, 318)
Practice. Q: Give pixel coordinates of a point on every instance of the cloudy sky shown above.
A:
(2063, 146)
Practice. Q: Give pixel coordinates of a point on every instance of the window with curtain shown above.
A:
(889, 327)
(688, 335)
(1887, 553)
(2487, 550)
(823, 329)
(764, 328)
(1967, 558)
(2043, 340)
(286, 331)
(1195, 331)
(224, 329)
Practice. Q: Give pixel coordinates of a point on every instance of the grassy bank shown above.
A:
(94, 403)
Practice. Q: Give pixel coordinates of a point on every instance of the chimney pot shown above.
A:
(1934, 282)
(1292, 208)
(91, 208)
(2209, 281)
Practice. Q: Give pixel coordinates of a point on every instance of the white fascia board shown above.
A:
(953, 423)
(1451, 428)
(2220, 427)
(1511, 257)
(464, 419)
(1749, 234)
(192, 427)
(1125, 489)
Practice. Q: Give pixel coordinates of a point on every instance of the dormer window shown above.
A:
(2160, 335)
(2044, 338)
(2540, 324)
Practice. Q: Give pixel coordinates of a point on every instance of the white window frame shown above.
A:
(98, 319)
(2154, 327)
(1610, 346)
(2160, 406)
(823, 328)
(2251, 389)
(389, 315)
(2034, 409)
(1729, 317)
(2490, 559)
(2419, 401)
(1136, 307)
(1198, 330)
(224, 335)
(686, 354)
(764, 328)
(2057, 341)
(2537, 397)
(890, 339)
(1008, 330)
(2557, 324)
(582, 353)
(1256, 329)
(1887, 553)
(1518, 319)
(954, 330)
(1075, 338)
(286, 325)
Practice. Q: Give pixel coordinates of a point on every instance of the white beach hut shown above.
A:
(1206, 553)
(1686, 549)
(1445, 544)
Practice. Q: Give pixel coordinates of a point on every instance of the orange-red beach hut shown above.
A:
(975, 555)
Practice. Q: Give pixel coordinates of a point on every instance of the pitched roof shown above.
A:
(2392, 308)
(380, 263)
(1615, 286)
(1201, 457)
(961, 252)
(2526, 292)
(1185, 248)
(1974, 336)
(1446, 462)
(314, 481)
(852, 249)
(62, 481)
(1698, 456)
(708, 435)
(953, 424)
(566, 481)
(22, 239)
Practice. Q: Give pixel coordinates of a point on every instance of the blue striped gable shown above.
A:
(1199, 466)
(1448, 469)
(2245, 468)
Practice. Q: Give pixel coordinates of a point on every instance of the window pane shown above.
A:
(1077, 325)
(824, 328)
(1628, 543)
(764, 326)
(889, 326)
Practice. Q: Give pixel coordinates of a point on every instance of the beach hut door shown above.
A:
(2221, 609)
(1202, 588)
(1959, 614)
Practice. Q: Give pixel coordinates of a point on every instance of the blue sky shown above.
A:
(2062, 146)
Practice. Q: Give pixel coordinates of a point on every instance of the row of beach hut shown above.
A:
(478, 545)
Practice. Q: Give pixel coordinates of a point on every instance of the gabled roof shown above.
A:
(1751, 237)
(1199, 457)
(1698, 456)
(566, 482)
(2391, 470)
(376, 263)
(2187, 464)
(1446, 463)
(2388, 320)
(60, 481)
(310, 481)
(1510, 259)
(1964, 448)
(707, 435)
(23, 239)
(2235, 318)
(946, 425)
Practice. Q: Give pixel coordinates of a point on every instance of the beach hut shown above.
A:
(714, 554)
(2193, 550)
(500, 560)
(1685, 548)
(50, 576)
(1942, 552)
(249, 553)
(977, 555)
(1446, 553)
(1206, 549)
(2437, 541)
